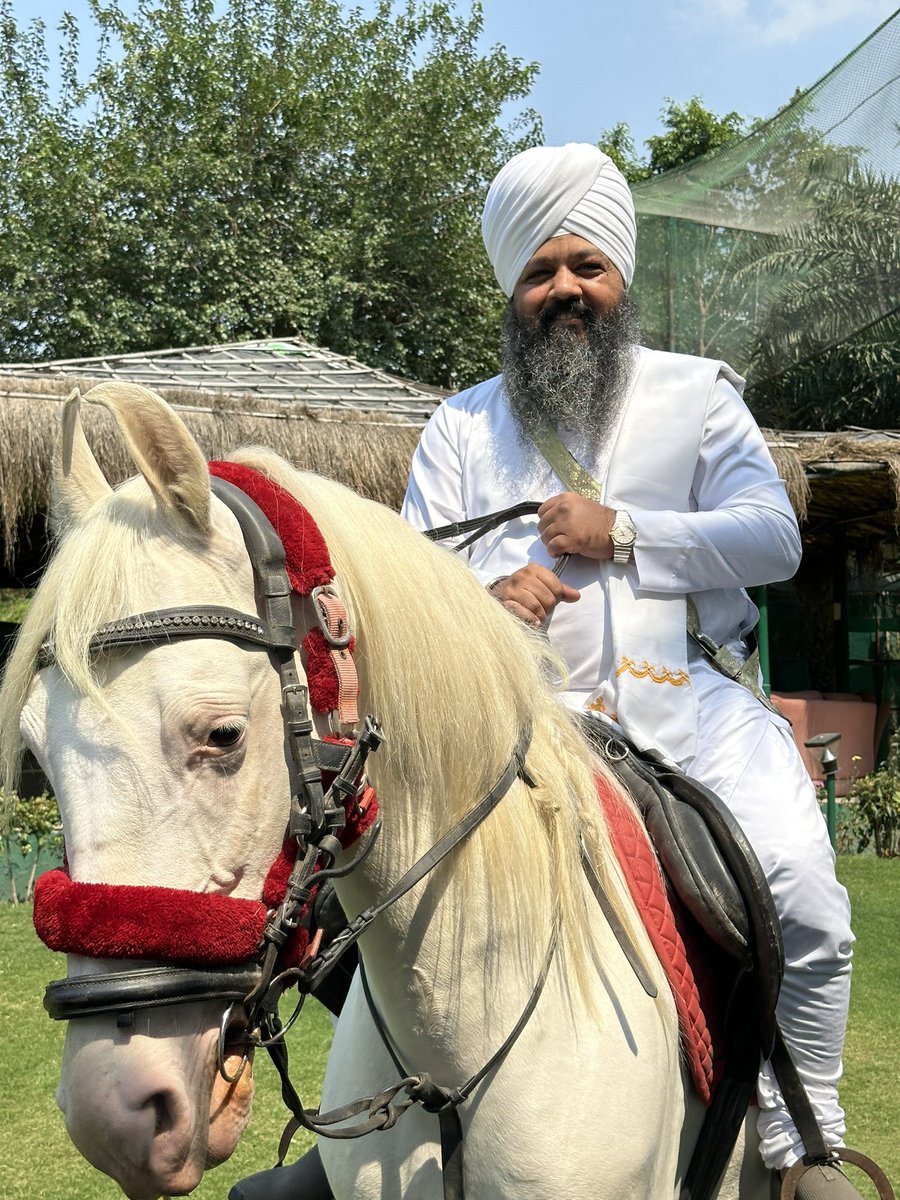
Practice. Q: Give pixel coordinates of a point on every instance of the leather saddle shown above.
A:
(717, 880)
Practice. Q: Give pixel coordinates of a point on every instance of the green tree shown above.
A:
(690, 131)
(269, 168)
(828, 352)
(683, 283)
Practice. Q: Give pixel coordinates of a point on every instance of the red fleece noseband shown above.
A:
(101, 920)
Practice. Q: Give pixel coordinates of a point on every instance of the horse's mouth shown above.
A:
(232, 1092)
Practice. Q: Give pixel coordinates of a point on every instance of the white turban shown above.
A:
(550, 190)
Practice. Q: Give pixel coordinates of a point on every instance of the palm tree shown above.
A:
(827, 352)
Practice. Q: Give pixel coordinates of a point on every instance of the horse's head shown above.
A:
(167, 757)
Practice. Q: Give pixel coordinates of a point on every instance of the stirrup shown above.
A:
(792, 1177)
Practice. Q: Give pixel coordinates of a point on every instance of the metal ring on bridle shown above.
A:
(220, 1048)
(615, 751)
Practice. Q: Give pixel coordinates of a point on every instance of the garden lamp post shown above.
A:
(822, 744)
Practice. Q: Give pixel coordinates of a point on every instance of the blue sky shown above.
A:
(604, 61)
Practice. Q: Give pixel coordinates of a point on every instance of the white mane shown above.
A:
(451, 675)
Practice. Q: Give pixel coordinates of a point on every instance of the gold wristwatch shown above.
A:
(623, 536)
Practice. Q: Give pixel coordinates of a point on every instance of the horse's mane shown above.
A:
(454, 679)
(417, 610)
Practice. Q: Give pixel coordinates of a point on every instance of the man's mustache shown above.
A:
(565, 308)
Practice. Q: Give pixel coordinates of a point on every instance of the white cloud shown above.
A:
(776, 22)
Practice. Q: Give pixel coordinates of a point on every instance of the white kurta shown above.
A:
(738, 531)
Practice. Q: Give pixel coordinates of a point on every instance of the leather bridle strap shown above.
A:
(515, 768)
(381, 1111)
(266, 553)
(479, 526)
(384, 1110)
(146, 987)
(445, 1101)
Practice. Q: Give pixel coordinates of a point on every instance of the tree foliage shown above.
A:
(828, 352)
(262, 168)
(690, 131)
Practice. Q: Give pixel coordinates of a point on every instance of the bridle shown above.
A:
(317, 818)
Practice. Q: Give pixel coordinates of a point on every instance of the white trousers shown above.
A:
(748, 757)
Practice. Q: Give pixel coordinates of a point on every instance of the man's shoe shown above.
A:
(304, 1179)
(825, 1183)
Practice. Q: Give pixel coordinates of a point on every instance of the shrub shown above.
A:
(33, 828)
(876, 800)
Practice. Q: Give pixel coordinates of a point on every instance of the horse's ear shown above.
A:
(161, 446)
(77, 483)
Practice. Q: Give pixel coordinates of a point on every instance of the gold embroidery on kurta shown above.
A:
(656, 674)
(598, 706)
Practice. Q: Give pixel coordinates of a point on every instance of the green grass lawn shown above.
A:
(870, 1091)
(37, 1161)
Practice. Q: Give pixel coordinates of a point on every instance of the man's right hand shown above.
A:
(532, 593)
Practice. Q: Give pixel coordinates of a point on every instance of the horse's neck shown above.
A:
(433, 960)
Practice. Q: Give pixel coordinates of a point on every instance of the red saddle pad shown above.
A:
(687, 957)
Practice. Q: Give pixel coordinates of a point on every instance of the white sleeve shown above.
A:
(434, 492)
(743, 532)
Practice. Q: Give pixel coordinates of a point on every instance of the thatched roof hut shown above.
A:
(322, 411)
(336, 416)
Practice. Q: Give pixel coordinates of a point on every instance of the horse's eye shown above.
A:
(226, 736)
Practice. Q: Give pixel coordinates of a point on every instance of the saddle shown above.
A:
(718, 889)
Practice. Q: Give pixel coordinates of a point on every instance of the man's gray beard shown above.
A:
(559, 377)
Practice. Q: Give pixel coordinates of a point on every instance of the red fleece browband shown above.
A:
(100, 920)
(308, 566)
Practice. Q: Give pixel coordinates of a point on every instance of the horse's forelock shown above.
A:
(90, 579)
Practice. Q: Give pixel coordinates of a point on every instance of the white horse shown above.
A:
(170, 769)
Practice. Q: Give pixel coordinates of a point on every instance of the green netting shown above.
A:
(781, 252)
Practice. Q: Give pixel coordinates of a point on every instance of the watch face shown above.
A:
(623, 532)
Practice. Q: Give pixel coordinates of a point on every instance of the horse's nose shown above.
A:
(143, 1134)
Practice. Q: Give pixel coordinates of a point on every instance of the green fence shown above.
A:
(16, 869)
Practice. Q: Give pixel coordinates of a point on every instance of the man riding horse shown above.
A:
(657, 482)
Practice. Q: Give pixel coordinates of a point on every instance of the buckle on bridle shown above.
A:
(330, 612)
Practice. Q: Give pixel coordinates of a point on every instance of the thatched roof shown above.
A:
(367, 450)
(850, 479)
(285, 369)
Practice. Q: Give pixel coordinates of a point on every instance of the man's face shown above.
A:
(564, 277)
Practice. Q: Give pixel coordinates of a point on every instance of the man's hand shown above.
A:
(532, 593)
(570, 524)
